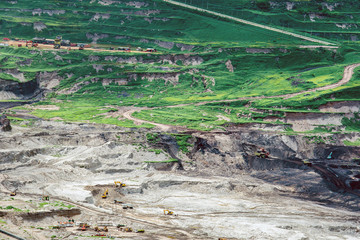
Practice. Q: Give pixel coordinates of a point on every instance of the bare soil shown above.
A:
(74, 164)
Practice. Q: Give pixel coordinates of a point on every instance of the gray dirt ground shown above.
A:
(75, 164)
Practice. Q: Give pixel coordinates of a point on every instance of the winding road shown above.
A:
(347, 75)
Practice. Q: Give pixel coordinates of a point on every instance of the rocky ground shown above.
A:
(220, 192)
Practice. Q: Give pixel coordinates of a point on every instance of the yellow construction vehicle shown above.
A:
(127, 229)
(57, 42)
(119, 184)
(83, 226)
(13, 194)
(168, 212)
(307, 162)
(105, 194)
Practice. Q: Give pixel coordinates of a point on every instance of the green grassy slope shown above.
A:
(223, 60)
(331, 19)
(124, 22)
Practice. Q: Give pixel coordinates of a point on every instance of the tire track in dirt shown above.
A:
(105, 212)
(347, 75)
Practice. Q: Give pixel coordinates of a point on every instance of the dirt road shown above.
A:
(51, 47)
(348, 73)
(249, 23)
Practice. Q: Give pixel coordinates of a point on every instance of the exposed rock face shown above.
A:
(185, 47)
(173, 78)
(308, 121)
(107, 81)
(167, 45)
(130, 60)
(94, 37)
(290, 5)
(94, 58)
(16, 74)
(229, 66)
(39, 26)
(341, 107)
(137, 4)
(329, 6)
(49, 12)
(49, 80)
(19, 90)
(99, 16)
(150, 20)
(186, 59)
(228, 153)
(5, 124)
(98, 67)
(258, 50)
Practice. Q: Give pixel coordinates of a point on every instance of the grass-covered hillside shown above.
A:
(332, 19)
(200, 58)
(145, 23)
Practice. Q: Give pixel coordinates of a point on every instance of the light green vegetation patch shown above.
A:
(12, 208)
(56, 204)
(354, 143)
(165, 161)
(79, 111)
(206, 117)
(352, 124)
(156, 151)
(182, 141)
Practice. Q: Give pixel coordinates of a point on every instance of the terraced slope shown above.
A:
(143, 23)
(201, 59)
(330, 19)
(249, 23)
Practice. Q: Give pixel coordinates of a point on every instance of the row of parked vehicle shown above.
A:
(67, 43)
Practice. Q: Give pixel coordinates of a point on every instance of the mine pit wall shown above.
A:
(222, 152)
(226, 153)
(26, 90)
(35, 216)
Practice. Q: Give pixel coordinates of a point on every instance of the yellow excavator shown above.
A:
(57, 42)
(127, 229)
(105, 229)
(119, 184)
(168, 212)
(105, 194)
